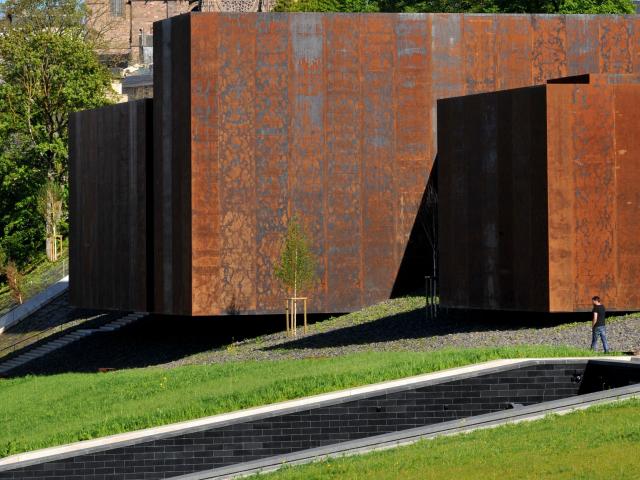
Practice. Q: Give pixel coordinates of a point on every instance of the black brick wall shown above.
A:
(599, 376)
(280, 434)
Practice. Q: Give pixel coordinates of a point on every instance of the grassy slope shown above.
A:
(602, 442)
(38, 412)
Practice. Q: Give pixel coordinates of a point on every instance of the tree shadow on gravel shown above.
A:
(414, 324)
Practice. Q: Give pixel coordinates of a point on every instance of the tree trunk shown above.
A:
(295, 295)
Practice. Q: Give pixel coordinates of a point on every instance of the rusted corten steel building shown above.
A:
(540, 196)
(331, 117)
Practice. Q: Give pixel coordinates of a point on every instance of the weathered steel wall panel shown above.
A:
(307, 172)
(561, 192)
(513, 51)
(271, 151)
(549, 51)
(111, 153)
(594, 207)
(627, 177)
(583, 45)
(379, 255)
(492, 184)
(172, 166)
(237, 179)
(413, 147)
(344, 267)
(479, 46)
(205, 171)
(592, 176)
(616, 37)
(453, 187)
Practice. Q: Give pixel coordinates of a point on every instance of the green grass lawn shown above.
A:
(602, 442)
(37, 412)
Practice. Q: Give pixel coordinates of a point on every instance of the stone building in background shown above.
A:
(127, 30)
(127, 25)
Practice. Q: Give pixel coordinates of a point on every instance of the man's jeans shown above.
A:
(602, 333)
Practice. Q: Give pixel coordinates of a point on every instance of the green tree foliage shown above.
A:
(456, 6)
(297, 267)
(48, 69)
(327, 6)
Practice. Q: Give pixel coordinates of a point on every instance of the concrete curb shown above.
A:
(34, 303)
(407, 437)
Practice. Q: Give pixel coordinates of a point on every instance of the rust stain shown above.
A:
(549, 52)
(615, 45)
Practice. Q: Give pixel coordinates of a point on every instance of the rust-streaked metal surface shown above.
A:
(593, 194)
(331, 117)
(110, 151)
(539, 196)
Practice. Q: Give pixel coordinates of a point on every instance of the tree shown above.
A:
(460, 6)
(428, 217)
(326, 6)
(50, 206)
(15, 280)
(297, 267)
(48, 69)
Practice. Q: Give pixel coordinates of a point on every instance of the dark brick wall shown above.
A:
(279, 434)
(599, 376)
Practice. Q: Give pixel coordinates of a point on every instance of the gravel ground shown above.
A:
(401, 324)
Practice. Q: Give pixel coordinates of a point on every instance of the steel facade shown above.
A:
(539, 196)
(330, 117)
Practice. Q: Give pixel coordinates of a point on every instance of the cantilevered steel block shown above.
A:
(539, 193)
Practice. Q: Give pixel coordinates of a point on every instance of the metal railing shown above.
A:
(36, 337)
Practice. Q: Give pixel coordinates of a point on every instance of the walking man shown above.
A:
(598, 325)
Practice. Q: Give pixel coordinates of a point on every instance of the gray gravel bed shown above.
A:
(400, 325)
